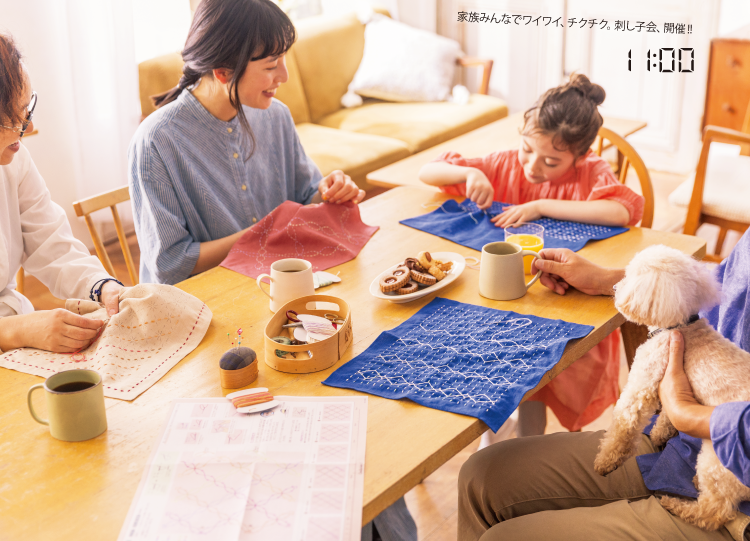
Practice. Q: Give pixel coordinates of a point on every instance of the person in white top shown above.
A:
(35, 232)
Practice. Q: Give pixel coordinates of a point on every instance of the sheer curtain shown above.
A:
(80, 55)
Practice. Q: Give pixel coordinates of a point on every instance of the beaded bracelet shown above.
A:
(98, 292)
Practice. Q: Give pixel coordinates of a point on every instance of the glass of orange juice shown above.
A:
(528, 237)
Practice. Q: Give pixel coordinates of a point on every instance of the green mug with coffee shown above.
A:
(75, 405)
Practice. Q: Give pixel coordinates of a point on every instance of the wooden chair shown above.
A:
(633, 335)
(485, 63)
(20, 280)
(627, 157)
(108, 199)
(719, 192)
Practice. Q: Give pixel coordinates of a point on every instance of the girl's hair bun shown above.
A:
(590, 90)
(568, 113)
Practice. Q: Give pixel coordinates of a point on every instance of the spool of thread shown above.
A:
(238, 367)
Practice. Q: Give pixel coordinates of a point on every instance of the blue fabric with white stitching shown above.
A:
(461, 358)
(464, 224)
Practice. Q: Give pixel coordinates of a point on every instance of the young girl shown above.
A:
(554, 173)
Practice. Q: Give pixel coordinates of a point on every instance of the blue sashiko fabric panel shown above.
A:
(464, 224)
(461, 358)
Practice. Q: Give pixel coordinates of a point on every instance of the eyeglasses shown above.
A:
(29, 116)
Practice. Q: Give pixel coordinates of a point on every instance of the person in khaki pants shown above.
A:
(545, 487)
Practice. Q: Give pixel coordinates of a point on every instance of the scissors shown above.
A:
(294, 321)
(333, 318)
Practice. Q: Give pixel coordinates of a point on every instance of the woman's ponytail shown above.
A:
(189, 78)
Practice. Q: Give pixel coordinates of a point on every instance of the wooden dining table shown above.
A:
(53, 490)
(502, 134)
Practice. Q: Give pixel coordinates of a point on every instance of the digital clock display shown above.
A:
(668, 60)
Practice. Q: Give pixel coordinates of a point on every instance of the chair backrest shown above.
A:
(20, 280)
(108, 199)
(630, 158)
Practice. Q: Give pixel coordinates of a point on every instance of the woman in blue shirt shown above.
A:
(220, 152)
(545, 487)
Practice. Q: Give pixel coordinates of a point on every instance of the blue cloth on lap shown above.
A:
(464, 224)
(461, 358)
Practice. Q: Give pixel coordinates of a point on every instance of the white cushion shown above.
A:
(401, 63)
(726, 192)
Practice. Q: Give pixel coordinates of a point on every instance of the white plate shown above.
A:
(459, 264)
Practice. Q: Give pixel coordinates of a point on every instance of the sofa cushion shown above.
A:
(726, 191)
(419, 125)
(356, 154)
(424, 73)
(328, 50)
(158, 75)
(291, 93)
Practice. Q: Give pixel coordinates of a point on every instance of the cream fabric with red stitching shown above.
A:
(157, 326)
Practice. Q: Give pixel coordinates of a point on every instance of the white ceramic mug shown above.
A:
(501, 275)
(290, 279)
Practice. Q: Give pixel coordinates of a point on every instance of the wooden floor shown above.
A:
(433, 503)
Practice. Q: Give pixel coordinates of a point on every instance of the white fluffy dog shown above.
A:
(662, 288)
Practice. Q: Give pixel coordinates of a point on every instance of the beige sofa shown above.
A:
(359, 140)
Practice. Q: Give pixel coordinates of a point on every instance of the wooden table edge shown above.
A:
(476, 428)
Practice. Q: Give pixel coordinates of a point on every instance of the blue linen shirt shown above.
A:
(672, 470)
(191, 182)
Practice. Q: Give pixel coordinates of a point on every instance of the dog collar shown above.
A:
(693, 319)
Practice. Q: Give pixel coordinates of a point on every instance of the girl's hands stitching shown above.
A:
(479, 189)
(527, 212)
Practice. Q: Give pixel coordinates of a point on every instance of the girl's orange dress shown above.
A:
(583, 391)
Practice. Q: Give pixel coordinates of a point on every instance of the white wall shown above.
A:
(417, 13)
(79, 54)
(160, 27)
(54, 150)
(733, 14)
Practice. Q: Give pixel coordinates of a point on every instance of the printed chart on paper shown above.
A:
(295, 472)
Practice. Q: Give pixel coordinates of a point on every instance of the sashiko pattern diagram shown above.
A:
(461, 358)
(464, 224)
(326, 235)
(157, 326)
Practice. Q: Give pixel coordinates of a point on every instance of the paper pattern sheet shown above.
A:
(295, 472)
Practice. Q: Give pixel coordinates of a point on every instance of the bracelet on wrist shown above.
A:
(98, 291)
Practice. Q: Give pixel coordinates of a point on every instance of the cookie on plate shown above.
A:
(423, 278)
(436, 272)
(396, 279)
(411, 287)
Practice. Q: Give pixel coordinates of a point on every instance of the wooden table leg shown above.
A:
(633, 335)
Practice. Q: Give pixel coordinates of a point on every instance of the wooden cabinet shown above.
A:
(728, 89)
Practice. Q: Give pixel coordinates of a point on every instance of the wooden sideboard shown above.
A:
(728, 87)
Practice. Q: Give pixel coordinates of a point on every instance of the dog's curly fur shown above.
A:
(662, 288)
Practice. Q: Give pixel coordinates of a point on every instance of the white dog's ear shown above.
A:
(663, 287)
